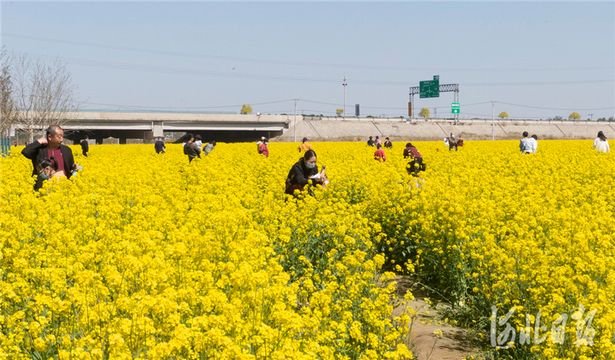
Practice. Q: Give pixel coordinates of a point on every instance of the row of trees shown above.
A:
(34, 94)
(424, 113)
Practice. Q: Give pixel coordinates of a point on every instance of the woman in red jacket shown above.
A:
(379, 154)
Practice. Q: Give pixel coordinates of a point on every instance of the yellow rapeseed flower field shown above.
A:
(147, 256)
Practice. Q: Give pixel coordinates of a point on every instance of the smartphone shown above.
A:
(323, 169)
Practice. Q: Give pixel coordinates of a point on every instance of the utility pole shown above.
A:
(493, 120)
(435, 113)
(344, 84)
(591, 117)
(295, 120)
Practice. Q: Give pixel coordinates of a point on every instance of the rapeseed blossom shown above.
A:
(146, 256)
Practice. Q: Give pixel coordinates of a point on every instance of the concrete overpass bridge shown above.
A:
(222, 127)
(238, 128)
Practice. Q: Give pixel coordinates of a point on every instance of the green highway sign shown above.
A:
(455, 108)
(430, 88)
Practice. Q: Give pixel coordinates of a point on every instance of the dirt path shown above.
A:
(455, 343)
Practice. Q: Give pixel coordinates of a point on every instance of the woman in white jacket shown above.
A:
(601, 143)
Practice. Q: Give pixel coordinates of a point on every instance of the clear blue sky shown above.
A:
(215, 56)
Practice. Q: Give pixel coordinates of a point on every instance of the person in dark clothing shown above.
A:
(85, 147)
(303, 171)
(191, 149)
(159, 146)
(388, 144)
(416, 165)
(51, 146)
(454, 142)
(46, 170)
(370, 142)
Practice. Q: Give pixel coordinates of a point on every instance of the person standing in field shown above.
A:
(379, 154)
(523, 142)
(263, 148)
(209, 147)
(159, 146)
(601, 143)
(198, 140)
(85, 147)
(258, 144)
(305, 146)
(453, 142)
(48, 147)
(378, 141)
(388, 144)
(370, 142)
(531, 144)
(191, 149)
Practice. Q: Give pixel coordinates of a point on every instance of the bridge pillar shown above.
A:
(157, 129)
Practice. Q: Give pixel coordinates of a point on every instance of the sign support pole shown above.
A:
(344, 97)
(456, 97)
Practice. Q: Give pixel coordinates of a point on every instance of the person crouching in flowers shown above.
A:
(47, 170)
(303, 171)
(305, 146)
(379, 154)
(407, 153)
(416, 165)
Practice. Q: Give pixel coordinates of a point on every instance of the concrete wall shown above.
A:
(349, 130)
(78, 117)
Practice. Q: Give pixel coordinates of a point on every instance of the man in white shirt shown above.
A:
(531, 145)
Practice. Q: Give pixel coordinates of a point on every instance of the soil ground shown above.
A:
(455, 344)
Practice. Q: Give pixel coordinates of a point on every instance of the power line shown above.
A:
(183, 107)
(319, 102)
(546, 108)
(488, 116)
(183, 71)
(161, 69)
(330, 104)
(331, 65)
(542, 83)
